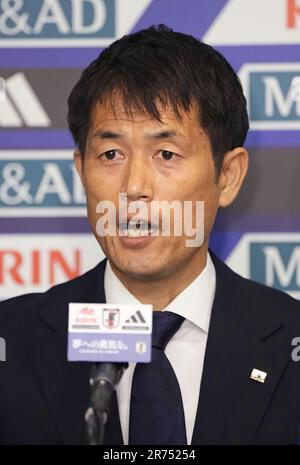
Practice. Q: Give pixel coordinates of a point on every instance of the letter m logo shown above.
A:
(277, 264)
(272, 91)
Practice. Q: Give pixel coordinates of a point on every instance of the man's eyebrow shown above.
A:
(107, 134)
(167, 134)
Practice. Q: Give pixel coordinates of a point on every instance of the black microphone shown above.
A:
(104, 378)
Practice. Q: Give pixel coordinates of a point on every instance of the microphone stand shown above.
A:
(103, 380)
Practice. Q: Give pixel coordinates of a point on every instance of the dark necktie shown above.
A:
(156, 410)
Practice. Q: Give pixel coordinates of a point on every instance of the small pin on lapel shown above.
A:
(258, 375)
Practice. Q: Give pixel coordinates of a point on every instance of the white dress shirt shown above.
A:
(186, 348)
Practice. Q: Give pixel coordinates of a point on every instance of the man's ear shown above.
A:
(78, 164)
(233, 172)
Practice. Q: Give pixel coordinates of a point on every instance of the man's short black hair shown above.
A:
(160, 65)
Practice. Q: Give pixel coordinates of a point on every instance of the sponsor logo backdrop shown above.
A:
(44, 44)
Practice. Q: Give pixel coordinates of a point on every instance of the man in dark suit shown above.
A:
(158, 116)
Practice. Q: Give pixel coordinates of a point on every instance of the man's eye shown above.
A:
(167, 155)
(109, 155)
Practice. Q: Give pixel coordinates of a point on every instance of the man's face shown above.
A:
(151, 161)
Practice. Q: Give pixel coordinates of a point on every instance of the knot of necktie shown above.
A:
(165, 325)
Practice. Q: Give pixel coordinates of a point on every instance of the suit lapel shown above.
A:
(241, 337)
(66, 384)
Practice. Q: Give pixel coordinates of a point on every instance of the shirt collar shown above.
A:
(193, 303)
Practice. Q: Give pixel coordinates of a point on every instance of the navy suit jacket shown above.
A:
(43, 397)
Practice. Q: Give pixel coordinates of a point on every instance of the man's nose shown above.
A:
(138, 180)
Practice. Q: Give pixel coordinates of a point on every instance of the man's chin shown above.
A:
(148, 270)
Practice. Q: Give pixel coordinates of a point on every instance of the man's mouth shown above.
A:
(137, 228)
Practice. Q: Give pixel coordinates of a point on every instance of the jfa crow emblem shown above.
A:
(111, 317)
